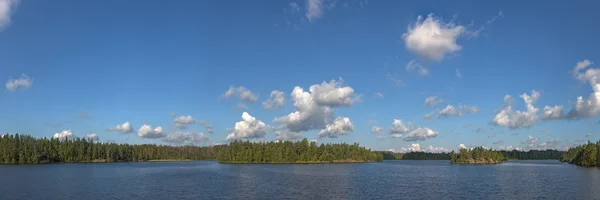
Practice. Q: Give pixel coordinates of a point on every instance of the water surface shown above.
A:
(386, 180)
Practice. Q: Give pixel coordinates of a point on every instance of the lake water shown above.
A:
(386, 180)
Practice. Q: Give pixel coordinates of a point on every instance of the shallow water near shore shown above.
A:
(547, 179)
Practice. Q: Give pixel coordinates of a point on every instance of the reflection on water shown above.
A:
(386, 180)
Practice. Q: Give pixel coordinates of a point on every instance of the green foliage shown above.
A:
(533, 154)
(389, 155)
(294, 152)
(478, 155)
(419, 155)
(25, 149)
(586, 155)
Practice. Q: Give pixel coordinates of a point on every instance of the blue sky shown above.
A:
(80, 68)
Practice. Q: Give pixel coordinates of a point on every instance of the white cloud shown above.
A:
(379, 94)
(6, 10)
(294, 8)
(276, 100)
(458, 74)
(432, 101)
(462, 146)
(466, 125)
(420, 133)
(380, 137)
(186, 138)
(206, 125)
(417, 148)
(430, 115)
(550, 144)
(588, 135)
(333, 94)
(182, 122)
(242, 93)
(314, 9)
(432, 38)
(499, 142)
(23, 82)
(396, 135)
(92, 136)
(146, 131)
(397, 82)
(64, 134)
(287, 136)
(413, 64)
(122, 128)
(518, 119)
(340, 126)
(552, 113)
(530, 142)
(508, 148)
(377, 130)
(398, 127)
(314, 109)
(589, 107)
(458, 111)
(248, 128)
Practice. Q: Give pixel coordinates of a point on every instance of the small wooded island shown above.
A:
(478, 155)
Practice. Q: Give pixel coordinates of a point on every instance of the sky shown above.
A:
(390, 75)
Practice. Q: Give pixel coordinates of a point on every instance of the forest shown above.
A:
(549, 154)
(25, 149)
(478, 155)
(295, 152)
(585, 155)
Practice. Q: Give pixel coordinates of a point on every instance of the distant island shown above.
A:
(300, 152)
(478, 155)
(586, 155)
(549, 154)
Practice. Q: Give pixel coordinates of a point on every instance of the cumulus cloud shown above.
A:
(182, 122)
(530, 142)
(146, 131)
(314, 109)
(287, 136)
(552, 113)
(417, 148)
(340, 126)
(432, 101)
(248, 128)
(377, 130)
(7, 8)
(398, 127)
(276, 100)
(432, 39)
(508, 148)
(23, 82)
(550, 144)
(414, 65)
(420, 133)
(92, 136)
(122, 128)
(518, 119)
(64, 134)
(588, 107)
(462, 146)
(186, 138)
(457, 111)
(242, 93)
(315, 9)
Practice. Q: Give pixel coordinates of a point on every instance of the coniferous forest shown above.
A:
(25, 149)
(295, 152)
(584, 155)
(549, 154)
(478, 155)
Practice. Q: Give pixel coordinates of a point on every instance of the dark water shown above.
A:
(387, 180)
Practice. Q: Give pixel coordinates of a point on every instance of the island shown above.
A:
(478, 155)
(300, 152)
(549, 154)
(586, 155)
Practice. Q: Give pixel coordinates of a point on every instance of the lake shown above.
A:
(387, 180)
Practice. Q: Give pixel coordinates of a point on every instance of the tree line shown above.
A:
(549, 154)
(586, 155)
(294, 152)
(25, 149)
